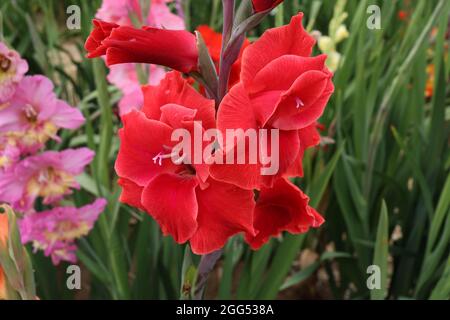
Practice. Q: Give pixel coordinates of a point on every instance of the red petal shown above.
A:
(170, 199)
(173, 89)
(175, 49)
(250, 176)
(141, 140)
(101, 31)
(304, 102)
(131, 193)
(282, 72)
(223, 211)
(289, 144)
(264, 105)
(174, 115)
(263, 5)
(235, 111)
(282, 208)
(308, 137)
(246, 176)
(274, 43)
(275, 79)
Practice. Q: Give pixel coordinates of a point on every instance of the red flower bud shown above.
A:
(263, 5)
(175, 49)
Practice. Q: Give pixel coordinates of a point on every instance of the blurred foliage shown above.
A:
(390, 144)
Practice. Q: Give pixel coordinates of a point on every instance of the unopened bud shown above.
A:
(333, 60)
(341, 33)
(325, 44)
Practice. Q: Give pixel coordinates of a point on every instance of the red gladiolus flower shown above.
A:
(263, 5)
(213, 41)
(281, 88)
(186, 202)
(282, 208)
(175, 49)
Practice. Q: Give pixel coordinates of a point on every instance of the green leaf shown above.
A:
(207, 67)
(380, 257)
(442, 289)
(188, 275)
(305, 273)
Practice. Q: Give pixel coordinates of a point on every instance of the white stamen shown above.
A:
(299, 102)
(160, 156)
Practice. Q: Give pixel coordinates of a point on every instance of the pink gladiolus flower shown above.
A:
(9, 153)
(124, 76)
(56, 230)
(123, 12)
(35, 114)
(12, 69)
(49, 175)
(161, 17)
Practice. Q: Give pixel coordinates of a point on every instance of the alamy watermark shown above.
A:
(374, 280)
(73, 21)
(252, 146)
(73, 281)
(374, 20)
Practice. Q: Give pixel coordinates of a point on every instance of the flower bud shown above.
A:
(325, 44)
(263, 5)
(333, 60)
(16, 271)
(341, 33)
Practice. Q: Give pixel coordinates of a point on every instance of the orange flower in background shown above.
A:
(3, 236)
(3, 228)
(2, 285)
(403, 15)
(429, 88)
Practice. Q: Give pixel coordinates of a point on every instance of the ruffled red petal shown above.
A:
(101, 31)
(174, 89)
(131, 193)
(237, 112)
(281, 73)
(282, 208)
(171, 200)
(308, 137)
(274, 43)
(174, 115)
(223, 211)
(304, 102)
(141, 140)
